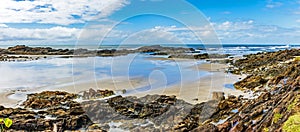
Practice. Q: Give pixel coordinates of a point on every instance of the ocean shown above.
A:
(235, 49)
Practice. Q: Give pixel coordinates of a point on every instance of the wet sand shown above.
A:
(192, 92)
(199, 91)
(116, 84)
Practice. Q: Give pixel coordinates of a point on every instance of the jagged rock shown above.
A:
(199, 56)
(140, 110)
(25, 50)
(92, 94)
(218, 96)
(206, 128)
(47, 99)
(63, 113)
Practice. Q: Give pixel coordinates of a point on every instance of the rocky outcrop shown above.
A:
(25, 50)
(49, 110)
(48, 99)
(199, 56)
(274, 78)
(161, 49)
(276, 104)
(55, 110)
(270, 77)
(114, 52)
(253, 61)
(18, 58)
(92, 94)
(173, 52)
(136, 109)
(149, 113)
(202, 115)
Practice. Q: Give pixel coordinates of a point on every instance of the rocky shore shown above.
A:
(17, 53)
(19, 58)
(273, 80)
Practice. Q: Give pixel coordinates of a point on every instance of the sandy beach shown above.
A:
(116, 84)
(200, 91)
(192, 92)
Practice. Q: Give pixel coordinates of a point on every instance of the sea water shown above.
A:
(54, 71)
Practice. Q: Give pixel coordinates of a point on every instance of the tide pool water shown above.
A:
(55, 71)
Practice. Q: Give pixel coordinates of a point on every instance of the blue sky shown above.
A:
(34, 22)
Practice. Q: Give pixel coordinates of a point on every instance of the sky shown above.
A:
(71, 22)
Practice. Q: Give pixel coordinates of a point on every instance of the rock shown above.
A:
(92, 94)
(250, 82)
(159, 53)
(59, 110)
(206, 128)
(2, 107)
(47, 99)
(25, 50)
(264, 97)
(166, 50)
(218, 96)
(85, 95)
(199, 56)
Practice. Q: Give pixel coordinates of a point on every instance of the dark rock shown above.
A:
(218, 96)
(92, 94)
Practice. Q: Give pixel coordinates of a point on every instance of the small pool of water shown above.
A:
(229, 86)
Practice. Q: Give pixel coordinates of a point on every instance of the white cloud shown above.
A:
(156, 35)
(273, 4)
(233, 26)
(54, 33)
(62, 12)
(226, 12)
(59, 35)
(227, 32)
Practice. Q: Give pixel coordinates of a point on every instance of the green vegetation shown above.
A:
(276, 117)
(293, 104)
(297, 58)
(266, 129)
(5, 123)
(292, 124)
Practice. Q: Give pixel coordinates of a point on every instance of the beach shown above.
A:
(201, 90)
(139, 89)
(192, 92)
(150, 66)
(117, 84)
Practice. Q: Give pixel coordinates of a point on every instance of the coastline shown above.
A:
(116, 84)
(192, 92)
(212, 102)
(201, 90)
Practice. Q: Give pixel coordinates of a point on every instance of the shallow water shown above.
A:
(62, 71)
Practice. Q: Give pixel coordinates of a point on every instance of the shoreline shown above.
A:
(112, 84)
(213, 82)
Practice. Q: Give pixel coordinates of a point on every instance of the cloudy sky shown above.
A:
(70, 22)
